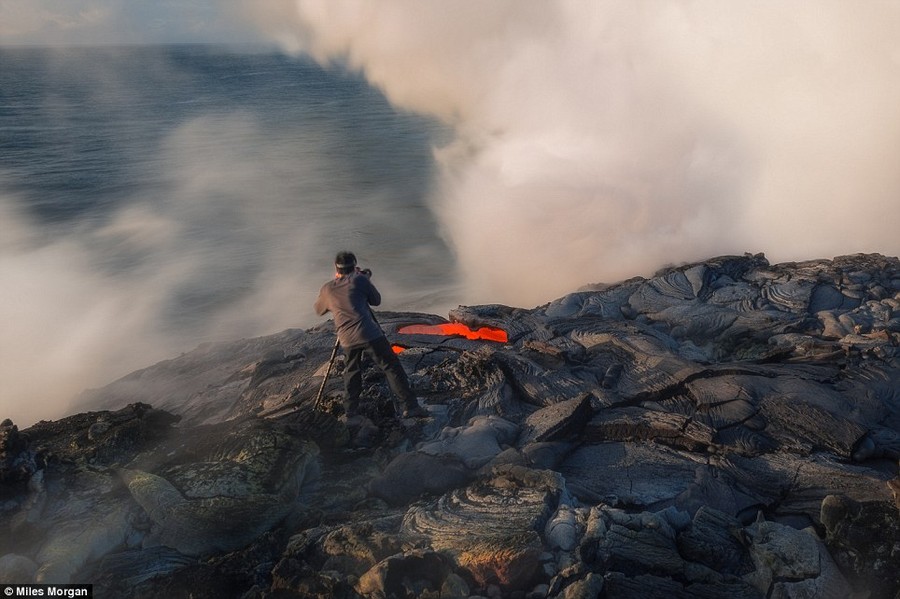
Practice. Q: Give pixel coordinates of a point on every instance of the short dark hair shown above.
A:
(345, 262)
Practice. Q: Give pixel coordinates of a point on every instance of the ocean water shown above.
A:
(153, 198)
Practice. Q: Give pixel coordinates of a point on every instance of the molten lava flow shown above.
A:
(455, 328)
(398, 349)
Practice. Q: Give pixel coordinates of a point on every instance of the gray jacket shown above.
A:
(348, 298)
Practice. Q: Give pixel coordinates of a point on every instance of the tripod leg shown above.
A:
(327, 373)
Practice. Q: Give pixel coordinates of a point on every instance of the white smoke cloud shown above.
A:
(228, 232)
(214, 251)
(598, 140)
(58, 331)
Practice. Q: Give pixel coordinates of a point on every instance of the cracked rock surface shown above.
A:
(729, 428)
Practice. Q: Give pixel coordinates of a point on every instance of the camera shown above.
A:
(365, 271)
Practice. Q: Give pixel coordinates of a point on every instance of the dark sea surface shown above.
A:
(203, 191)
(81, 132)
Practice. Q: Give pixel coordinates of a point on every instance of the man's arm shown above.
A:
(372, 295)
(321, 305)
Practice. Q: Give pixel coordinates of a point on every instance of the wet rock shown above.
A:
(863, 538)
(508, 511)
(320, 427)
(639, 424)
(714, 539)
(16, 462)
(811, 424)
(208, 384)
(17, 569)
(645, 586)
(562, 420)
(411, 475)
(476, 443)
(291, 576)
(733, 589)
(540, 385)
(792, 563)
(509, 563)
(562, 530)
(791, 485)
(585, 588)
(124, 569)
(222, 505)
(356, 548)
(477, 378)
(72, 546)
(454, 587)
(546, 456)
(406, 575)
(628, 474)
(69, 514)
(634, 544)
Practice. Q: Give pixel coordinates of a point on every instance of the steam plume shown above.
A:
(232, 237)
(598, 140)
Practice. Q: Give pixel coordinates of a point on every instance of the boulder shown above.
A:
(863, 537)
(560, 421)
(410, 475)
(476, 443)
(792, 563)
(406, 575)
(508, 510)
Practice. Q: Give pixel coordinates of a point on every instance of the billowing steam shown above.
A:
(598, 140)
(214, 255)
(227, 230)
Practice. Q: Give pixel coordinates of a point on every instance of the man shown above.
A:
(348, 297)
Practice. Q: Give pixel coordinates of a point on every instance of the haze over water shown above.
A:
(157, 197)
(472, 152)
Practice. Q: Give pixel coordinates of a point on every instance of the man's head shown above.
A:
(345, 263)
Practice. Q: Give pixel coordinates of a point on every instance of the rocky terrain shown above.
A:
(723, 429)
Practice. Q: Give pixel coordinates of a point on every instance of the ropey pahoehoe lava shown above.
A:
(727, 428)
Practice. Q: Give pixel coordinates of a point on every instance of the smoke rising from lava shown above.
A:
(599, 140)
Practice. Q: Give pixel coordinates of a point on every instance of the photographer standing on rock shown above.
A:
(348, 296)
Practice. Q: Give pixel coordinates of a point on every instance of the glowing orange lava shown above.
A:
(455, 328)
(398, 348)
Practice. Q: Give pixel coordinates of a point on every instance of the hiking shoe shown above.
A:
(415, 411)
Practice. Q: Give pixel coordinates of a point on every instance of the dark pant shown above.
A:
(384, 357)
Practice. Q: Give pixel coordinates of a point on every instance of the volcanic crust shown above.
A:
(729, 428)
